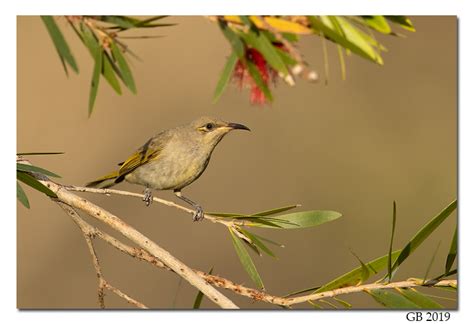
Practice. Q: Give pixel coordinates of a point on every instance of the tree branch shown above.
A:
(154, 254)
(108, 192)
(135, 236)
(354, 289)
(89, 232)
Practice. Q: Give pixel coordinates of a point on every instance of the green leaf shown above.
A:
(60, 43)
(327, 303)
(421, 300)
(378, 23)
(126, 75)
(342, 32)
(233, 38)
(431, 262)
(225, 76)
(40, 153)
(98, 59)
(108, 71)
(261, 43)
(32, 182)
(423, 234)
(275, 210)
(198, 300)
(246, 260)
(453, 251)
(391, 300)
(365, 272)
(403, 21)
(21, 195)
(394, 222)
(305, 219)
(269, 241)
(121, 21)
(257, 242)
(32, 168)
(255, 74)
(354, 276)
(232, 215)
(286, 57)
(342, 302)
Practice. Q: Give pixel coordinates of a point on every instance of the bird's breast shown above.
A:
(172, 169)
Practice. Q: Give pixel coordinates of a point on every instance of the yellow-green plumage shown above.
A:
(172, 159)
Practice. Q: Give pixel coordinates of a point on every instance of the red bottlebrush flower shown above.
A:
(243, 78)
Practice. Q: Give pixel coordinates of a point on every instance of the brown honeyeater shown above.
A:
(172, 159)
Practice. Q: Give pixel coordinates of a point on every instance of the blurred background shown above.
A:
(386, 133)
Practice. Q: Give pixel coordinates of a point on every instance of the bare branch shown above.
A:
(89, 233)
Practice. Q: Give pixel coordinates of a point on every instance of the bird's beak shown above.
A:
(237, 126)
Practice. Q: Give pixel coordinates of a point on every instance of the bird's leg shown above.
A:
(199, 214)
(148, 196)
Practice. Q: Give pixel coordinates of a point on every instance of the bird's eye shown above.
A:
(209, 126)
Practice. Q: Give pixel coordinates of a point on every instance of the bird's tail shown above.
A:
(105, 181)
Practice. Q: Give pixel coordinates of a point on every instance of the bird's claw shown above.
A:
(148, 197)
(199, 214)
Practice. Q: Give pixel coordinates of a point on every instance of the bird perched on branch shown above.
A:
(172, 159)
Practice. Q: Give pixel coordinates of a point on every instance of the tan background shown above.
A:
(353, 146)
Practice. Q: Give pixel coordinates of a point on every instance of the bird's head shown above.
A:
(209, 130)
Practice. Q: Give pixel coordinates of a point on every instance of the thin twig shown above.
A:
(108, 192)
(251, 293)
(90, 232)
(368, 287)
(154, 254)
(135, 236)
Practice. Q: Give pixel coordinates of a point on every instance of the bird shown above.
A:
(172, 159)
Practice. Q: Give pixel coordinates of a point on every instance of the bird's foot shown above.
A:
(148, 197)
(199, 214)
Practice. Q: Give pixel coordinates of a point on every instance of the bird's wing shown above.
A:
(149, 151)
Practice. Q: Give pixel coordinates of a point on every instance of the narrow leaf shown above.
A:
(286, 57)
(32, 168)
(225, 76)
(350, 39)
(421, 300)
(59, 42)
(431, 262)
(255, 74)
(394, 222)
(453, 251)
(261, 43)
(353, 277)
(21, 195)
(269, 241)
(305, 219)
(342, 302)
(275, 210)
(198, 300)
(365, 272)
(285, 26)
(246, 260)
(257, 242)
(226, 214)
(403, 21)
(32, 182)
(127, 76)
(377, 23)
(391, 300)
(98, 59)
(423, 234)
(108, 71)
(234, 40)
(323, 301)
